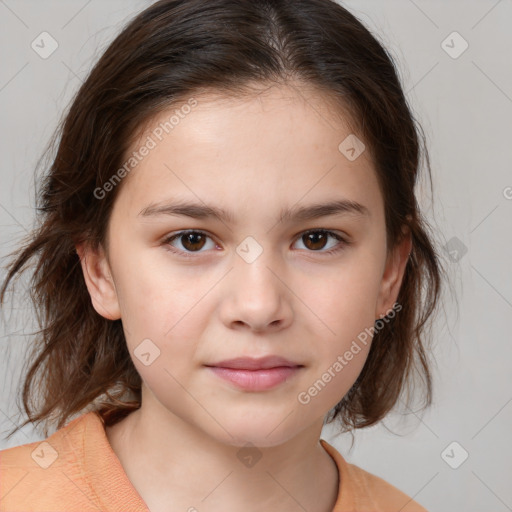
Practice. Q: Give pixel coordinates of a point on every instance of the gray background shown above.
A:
(465, 107)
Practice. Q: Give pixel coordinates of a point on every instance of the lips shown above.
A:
(250, 363)
(251, 374)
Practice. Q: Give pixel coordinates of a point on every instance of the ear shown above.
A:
(393, 274)
(99, 281)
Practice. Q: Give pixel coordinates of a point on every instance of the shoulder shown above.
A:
(362, 491)
(385, 495)
(46, 474)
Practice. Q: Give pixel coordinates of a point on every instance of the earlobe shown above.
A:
(393, 275)
(99, 281)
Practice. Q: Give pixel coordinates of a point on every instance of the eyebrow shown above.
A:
(300, 213)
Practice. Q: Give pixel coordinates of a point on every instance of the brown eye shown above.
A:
(318, 239)
(315, 240)
(191, 241)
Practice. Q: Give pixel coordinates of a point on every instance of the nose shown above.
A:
(256, 296)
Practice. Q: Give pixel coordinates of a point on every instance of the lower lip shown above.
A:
(256, 380)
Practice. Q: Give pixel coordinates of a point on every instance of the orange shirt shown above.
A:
(76, 470)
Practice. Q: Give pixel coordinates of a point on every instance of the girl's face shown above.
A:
(247, 283)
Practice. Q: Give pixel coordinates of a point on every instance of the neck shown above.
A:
(171, 461)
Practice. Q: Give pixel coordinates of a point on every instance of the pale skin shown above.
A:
(252, 156)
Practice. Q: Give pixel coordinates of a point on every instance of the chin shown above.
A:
(260, 434)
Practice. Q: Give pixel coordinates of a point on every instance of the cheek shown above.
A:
(336, 369)
(344, 299)
(155, 293)
(344, 307)
(161, 318)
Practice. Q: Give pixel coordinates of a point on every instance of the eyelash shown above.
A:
(190, 255)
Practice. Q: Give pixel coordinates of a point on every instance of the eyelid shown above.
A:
(343, 240)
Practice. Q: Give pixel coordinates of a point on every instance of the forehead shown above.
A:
(278, 144)
(274, 105)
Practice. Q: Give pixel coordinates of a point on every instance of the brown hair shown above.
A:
(170, 51)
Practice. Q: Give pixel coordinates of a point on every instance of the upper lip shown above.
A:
(250, 363)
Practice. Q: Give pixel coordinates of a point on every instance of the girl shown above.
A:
(273, 135)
